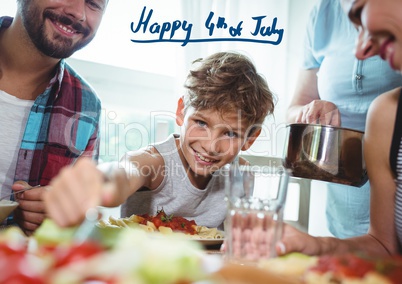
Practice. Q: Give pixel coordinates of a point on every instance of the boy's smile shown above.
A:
(204, 159)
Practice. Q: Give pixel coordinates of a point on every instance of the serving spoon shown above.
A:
(87, 229)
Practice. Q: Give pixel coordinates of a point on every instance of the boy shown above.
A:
(221, 113)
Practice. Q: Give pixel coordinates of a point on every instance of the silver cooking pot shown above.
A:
(325, 153)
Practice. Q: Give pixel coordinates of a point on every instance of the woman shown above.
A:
(336, 88)
(380, 33)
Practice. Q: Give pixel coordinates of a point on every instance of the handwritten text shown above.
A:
(166, 31)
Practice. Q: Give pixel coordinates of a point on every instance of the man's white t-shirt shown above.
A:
(13, 117)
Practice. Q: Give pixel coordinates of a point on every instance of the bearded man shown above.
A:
(49, 114)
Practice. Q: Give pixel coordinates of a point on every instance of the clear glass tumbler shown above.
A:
(256, 200)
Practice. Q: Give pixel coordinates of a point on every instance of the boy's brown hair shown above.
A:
(229, 82)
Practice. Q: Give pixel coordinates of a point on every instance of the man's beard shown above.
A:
(58, 46)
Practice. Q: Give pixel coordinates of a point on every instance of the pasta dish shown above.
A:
(163, 223)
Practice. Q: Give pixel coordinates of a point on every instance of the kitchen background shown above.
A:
(139, 83)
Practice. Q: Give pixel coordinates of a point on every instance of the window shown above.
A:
(112, 44)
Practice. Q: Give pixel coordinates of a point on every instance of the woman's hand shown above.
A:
(294, 240)
(319, 112)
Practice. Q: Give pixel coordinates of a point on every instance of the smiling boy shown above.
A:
(221, 113)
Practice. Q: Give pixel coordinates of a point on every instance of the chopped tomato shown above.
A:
(21, 278)
(14, 266)
(157, 222)
(348, 265)
(76, 252)
(391, 268)
(352, 265)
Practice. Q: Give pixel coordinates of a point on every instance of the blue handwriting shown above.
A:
(166, 31)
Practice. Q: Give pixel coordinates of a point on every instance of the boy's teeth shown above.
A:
(203, 158)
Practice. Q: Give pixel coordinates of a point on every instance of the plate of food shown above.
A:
(209, 241)
(164, 224)
(342, 268)
(6, 207)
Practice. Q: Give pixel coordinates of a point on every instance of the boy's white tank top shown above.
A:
(177, 196)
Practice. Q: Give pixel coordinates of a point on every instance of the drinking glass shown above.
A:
(256, 199)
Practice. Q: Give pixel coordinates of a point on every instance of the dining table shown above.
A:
(221, 271)
(236, 273)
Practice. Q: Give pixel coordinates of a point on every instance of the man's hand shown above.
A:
(30, 213)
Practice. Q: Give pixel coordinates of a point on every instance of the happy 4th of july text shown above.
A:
(165, 32)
